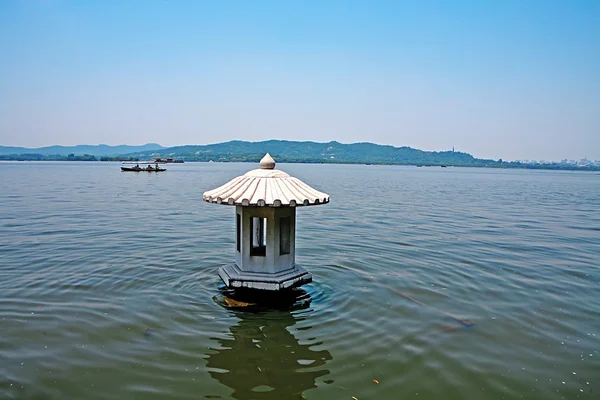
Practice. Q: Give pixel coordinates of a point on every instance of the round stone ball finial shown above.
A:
(267, 162)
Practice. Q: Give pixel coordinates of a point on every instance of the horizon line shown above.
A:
(282, 140)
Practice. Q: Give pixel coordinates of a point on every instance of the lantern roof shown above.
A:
(266, 186)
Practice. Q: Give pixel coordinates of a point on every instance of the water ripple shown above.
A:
(464, 284)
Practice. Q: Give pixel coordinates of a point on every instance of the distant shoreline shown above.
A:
(544, 167)
(284, 151)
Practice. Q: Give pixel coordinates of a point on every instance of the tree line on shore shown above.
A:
(58, 157)
(306, 152)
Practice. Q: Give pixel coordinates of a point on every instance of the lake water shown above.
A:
(109, 286)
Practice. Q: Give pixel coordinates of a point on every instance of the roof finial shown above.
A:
(267, 162)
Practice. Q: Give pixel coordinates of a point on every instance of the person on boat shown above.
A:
(137, 167)
(149, 168)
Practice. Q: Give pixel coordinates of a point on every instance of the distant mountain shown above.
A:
(312, 152)
(281, 150)
(79, 150)
(335, 152)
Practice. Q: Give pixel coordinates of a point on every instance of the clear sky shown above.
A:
(497, 79)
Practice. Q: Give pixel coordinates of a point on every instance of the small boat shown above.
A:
(137, 168)
(167, 161)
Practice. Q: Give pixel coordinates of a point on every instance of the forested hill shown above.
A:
(335, 152)
(79, 150)
(313, 152)
(281, 150)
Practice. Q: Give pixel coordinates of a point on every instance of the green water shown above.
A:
(109, 286)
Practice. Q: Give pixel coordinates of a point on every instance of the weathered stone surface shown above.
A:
(233, 277)
(265, 201)
(266, 187)
(273, 261)
(267, 162)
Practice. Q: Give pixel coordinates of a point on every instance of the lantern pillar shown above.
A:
(265, 250)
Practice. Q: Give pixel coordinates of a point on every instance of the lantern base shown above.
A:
(234, 277)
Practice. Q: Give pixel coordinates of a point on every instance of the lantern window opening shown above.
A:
(285, 235)
(238, 231)
(258, 245)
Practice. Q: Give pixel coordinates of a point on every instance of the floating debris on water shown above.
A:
(235, 303)
(253, 300)
(149, 332)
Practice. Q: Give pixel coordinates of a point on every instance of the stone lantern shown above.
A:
(265, 200)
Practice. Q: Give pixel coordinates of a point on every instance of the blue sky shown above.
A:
(505, 79)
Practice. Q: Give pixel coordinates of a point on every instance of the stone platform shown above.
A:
(234, 277)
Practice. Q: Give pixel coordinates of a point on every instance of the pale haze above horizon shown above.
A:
(498, 79)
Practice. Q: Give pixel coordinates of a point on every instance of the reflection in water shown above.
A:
(263, 360)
